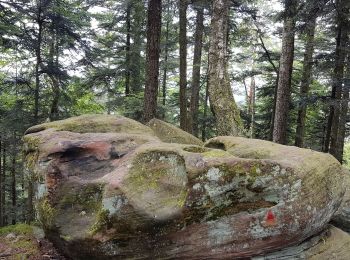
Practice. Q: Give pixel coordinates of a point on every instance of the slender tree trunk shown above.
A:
(39, 22)
(340, 56)
(127, 49)
(23, 192)
(153, 51)
(272, 119)
(330, 143)
(343, 115)
(183, 63)
(13, 186)
(1, 185)
(196, 73)
(225, 110)
(324, 130)
(53, 64)
(329, 126)
(251, 95)
(30, 203)
(54, 111)
(3, 195)
(305, 81)
(285, 74)
(205, 113)
(135, 55)
(252, 105)
(165, 69)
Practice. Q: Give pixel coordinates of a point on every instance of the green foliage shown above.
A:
(19, 229)
(102, 221)
(87, 104)
(130, 106)
(46, 214)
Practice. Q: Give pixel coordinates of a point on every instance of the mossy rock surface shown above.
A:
(110, 195)
(305, 160)
(169, 133)
(95, 124)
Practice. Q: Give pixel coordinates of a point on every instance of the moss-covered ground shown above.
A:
(21, 241)
(18, 242)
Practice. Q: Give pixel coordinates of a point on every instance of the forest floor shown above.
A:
(25, 242)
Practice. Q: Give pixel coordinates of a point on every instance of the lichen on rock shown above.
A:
(114, 188)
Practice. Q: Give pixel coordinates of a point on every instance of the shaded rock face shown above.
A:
(332, 243)
(341, 218)
(120, 191)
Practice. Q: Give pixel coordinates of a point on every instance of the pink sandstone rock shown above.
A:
(123, 193)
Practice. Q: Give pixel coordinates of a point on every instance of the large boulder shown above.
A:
(123, 193)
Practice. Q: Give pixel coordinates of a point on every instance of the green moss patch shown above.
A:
(95, 124)
(102, 222)
(195, 149)
(18, 242)
(157, 182)
(81, 197)
(216, 153)
(47, 214)
(19, 229)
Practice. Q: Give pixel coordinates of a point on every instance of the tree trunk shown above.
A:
(39, 22)
(3, 195)
(30, 203)
(205, 113)
(53, 66)
(13, 187)
(343, 115)
(252, 105)
(329, 126)
(135, 55)
(153, 50)
(340, 55)
(54, 111)
(196, 73)
(228, 121)
(285, 74)
(272, 119)
(127, 49)
(183, 64)
(1, 185)
(305, 82)
(165, 68)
